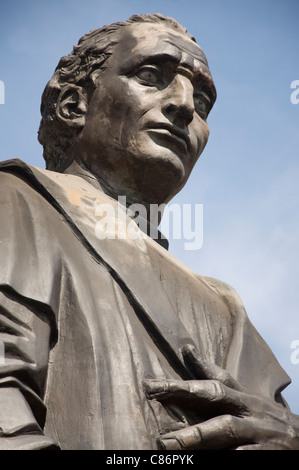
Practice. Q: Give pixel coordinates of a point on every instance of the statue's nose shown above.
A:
(179, 103)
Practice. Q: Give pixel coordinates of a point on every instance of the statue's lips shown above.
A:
(170, 134)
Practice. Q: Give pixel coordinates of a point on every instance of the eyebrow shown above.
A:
(161, 57)
(203, 74)
(140, 59)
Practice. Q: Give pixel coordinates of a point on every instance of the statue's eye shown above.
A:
(202, 104)
(149, 75)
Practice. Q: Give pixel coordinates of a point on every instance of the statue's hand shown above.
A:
(231, 416)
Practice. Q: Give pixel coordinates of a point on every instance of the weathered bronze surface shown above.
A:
(111, 342)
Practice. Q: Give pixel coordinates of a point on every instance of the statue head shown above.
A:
(130, 104)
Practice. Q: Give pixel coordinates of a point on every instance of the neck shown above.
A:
(133, 200)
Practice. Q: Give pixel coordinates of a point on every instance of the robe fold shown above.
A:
(86, 318)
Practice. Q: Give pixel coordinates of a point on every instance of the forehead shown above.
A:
(152, 42)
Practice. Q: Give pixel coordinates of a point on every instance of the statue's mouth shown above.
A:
(172, 135)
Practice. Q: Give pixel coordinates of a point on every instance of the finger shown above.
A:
(223, 432)
(205, 395)
(27, 442)
(268, 445)
(250, 447)
(164, 388)
(203, 369)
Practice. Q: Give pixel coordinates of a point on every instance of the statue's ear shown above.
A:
(72, 106)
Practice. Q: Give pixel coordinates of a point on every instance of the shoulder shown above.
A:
(12, 186)
(219, 286)
(13, 165)
(19, 179)
(227, 293)
(20, 194)
(14, 174)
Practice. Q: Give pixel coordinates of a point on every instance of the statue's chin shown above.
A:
(152, 167)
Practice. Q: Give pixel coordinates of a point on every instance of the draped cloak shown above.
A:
(85, 319)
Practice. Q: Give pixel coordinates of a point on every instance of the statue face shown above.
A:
(146, 119)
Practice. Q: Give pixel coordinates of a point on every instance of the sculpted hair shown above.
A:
(82, 67)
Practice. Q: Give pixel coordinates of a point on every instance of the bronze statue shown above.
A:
(111, 342)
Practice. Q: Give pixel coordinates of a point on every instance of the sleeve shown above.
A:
(27, 333)
(25, 339)
(249, 358)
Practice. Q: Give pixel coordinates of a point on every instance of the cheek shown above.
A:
(138, 99)
(106, 120)
(201, 130)
(206, 133)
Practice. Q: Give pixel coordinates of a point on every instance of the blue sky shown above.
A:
(247, 178)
